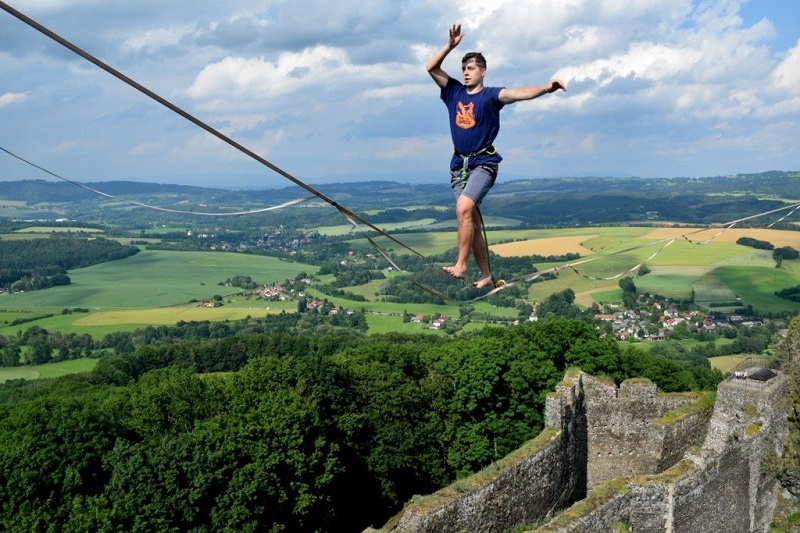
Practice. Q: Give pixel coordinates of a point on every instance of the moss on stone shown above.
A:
(594, 500)
(753, 429)
(476, 481)
(704, 401)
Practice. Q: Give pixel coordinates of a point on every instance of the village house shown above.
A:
(438, 322)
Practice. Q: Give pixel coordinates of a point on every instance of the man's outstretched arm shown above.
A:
(434, 65)
(509, 96)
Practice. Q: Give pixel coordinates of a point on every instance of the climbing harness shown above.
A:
(490, 150)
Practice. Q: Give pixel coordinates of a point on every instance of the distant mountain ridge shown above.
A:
(541, 201)
(775, 182)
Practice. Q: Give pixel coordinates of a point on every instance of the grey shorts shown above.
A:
(478, 183)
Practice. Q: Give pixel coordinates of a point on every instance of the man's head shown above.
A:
(473, 66)
(473, 56)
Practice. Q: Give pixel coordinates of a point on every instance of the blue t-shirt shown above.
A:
(474, 121)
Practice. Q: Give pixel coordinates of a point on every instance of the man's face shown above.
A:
(473, 74)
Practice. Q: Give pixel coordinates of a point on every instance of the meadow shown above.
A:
(60, 229)
(151, 287)
(50, 370)
(156, 278)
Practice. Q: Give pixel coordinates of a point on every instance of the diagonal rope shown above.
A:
(784, 217)
(155, 207)
(196, 121)
(732, 223)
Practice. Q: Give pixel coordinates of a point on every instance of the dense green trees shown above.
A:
(308, 434)
(41, 263)
(755, 243)
(791, 294)
(787, 467)
(560, 304)
(296, 333)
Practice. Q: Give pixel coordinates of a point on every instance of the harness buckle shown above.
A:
(490, 150)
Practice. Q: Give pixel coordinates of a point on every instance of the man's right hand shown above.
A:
(455, 35)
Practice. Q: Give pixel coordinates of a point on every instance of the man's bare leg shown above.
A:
(480, 253)
(466, 232)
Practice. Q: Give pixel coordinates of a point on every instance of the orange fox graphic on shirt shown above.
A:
(465, 115)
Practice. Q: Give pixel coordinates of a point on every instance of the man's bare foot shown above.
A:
(457, 273)
(485, 281)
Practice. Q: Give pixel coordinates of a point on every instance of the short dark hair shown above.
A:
(477, 56)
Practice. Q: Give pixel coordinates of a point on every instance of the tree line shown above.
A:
(32, 264)
(300, 331)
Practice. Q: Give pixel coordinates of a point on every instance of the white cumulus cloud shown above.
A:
(9, 99)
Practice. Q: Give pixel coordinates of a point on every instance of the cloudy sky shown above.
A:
(337, 91)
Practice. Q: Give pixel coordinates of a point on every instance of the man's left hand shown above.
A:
(556, 85)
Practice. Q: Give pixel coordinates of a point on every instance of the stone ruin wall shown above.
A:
(718, 486)
(624, 438)
(587, 421)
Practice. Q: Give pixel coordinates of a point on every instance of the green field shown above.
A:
(100, 322)
(726, 363)
(756, 286)
(156, 279)
(687, 344)
(153, 287)
(672, 285)
(50, 370)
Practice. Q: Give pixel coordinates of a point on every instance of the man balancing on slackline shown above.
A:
(474, 113)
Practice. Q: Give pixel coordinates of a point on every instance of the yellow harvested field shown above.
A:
(65, 229)
(170, 315)
(585, 298)
(548, 246)
(726, 363)
(776, 237)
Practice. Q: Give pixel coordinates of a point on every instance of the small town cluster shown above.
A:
(662, 317)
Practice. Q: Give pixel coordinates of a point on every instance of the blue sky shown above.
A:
(333, 91)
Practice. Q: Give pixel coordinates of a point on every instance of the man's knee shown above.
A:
(465, 208)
